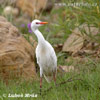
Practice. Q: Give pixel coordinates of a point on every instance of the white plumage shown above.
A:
(45, 54)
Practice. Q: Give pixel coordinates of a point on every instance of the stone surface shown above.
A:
(9, 10)
(31, 7)
(67, 68)
(16, 54)
(76, 41)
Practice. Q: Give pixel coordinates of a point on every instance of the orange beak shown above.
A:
(43, 23)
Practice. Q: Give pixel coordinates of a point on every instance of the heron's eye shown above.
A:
(37, 23)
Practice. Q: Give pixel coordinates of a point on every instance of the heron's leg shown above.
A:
(54, 77)
(41, 72)
(40, 82)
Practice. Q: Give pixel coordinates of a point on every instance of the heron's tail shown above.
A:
(48, 78)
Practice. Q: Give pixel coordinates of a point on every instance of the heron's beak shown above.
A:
(43, 23)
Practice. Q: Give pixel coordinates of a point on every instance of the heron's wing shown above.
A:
(46, 55)
(53, 54)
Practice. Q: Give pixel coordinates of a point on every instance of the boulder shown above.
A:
(76, 41)
(9, 10)
(16, 54)
(31, 7)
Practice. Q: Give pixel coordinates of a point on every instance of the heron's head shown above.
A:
(35, 24)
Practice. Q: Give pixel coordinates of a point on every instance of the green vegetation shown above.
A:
(82, 86)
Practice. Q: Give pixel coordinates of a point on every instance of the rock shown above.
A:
(1, 1)
(16, 54)
(89, 52)
(33, 42)
(32, 7)
(15, 11)
(76, 41)
(10, 11)
(58, 47)
(49, 6)
(67, 68)
(7, 10)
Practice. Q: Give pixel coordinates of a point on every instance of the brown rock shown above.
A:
(31, 7)
(16, 54)
(67, 68)
(9, 10)
(76, 41)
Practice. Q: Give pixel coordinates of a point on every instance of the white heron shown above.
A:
(45, 54)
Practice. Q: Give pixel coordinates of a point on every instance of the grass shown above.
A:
(86, 83)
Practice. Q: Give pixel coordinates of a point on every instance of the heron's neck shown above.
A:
(39, 36)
